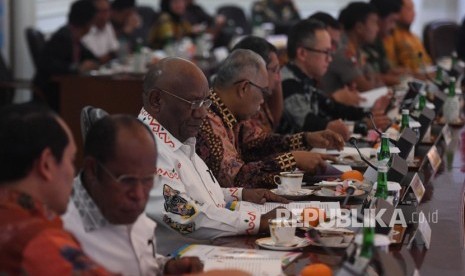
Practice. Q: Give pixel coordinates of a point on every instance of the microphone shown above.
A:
(353, 142)
(370, 114)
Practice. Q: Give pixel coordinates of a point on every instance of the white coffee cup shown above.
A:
(350, 126)
(282, 231)
(289, 181)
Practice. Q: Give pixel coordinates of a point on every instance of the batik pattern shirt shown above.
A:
(123, 249)
(33, 241)
(241, 155)
(167, 30)
(403, 48)
(187, 199)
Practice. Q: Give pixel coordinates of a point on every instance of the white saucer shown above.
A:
(330, 193)
(269, 244)
(301, 192)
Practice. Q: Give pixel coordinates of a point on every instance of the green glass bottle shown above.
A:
(368, 242)
(438, 77)
(422, 100)
(382, 188)
(404, 123)
(384, 153)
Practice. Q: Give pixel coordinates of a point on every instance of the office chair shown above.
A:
(149, 16)
(236, 24)
(440, 38)
(90, 115)
(8, 85)
(35, 42)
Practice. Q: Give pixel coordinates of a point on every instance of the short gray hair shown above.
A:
(239, 63)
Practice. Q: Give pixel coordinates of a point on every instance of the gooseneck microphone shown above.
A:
(370, 115)
(353, 142)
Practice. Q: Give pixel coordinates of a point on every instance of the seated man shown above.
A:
(388, 13)
(101, 39)
(237, 94)
(403, 47)
(106, 210)
(272, 108)
(36, 174)
(64, 53)
(187, 201)
(307, 108)
(349, 66)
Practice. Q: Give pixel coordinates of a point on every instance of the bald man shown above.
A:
(186, 200)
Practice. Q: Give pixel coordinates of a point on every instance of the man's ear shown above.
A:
(154, 100)
(241, 89)
(46, 165)
(301, 53)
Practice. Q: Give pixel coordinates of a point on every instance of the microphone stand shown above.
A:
(353, 142)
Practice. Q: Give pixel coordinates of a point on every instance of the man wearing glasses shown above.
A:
(306, 107)
(106, 210)
(238, 91)
(187, 202)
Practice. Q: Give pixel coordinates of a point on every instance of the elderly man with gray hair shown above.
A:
(237, 94)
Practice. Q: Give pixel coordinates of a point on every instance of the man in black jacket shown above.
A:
(64, 53)
(307, 108)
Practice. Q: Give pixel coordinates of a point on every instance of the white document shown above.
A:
(265, 267)
(372, 95)
(347, 151)
(295, 207)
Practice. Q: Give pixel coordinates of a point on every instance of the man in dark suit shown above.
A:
(64, 53)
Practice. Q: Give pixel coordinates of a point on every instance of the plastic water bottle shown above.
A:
(452, 105)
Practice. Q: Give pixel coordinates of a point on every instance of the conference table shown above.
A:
(445, 191)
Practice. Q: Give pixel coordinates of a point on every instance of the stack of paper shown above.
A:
(256, 262)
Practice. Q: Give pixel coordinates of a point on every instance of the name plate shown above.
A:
(446, 132)
(417, 187)
(424, 229)
(434, 158)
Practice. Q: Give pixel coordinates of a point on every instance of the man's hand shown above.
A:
(260, 196)
(264, 226)
(325, 139)
(87, 65)
(382, 103)
(348, 96)
(339, 127)
(310, 161)
(183, 265)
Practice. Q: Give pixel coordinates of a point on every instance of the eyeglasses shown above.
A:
(264, 90)
(194, 104)
(129, 180)
(328, 53)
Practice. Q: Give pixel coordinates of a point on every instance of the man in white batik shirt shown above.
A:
(106, 210)
(101, 39)
(188, 199)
